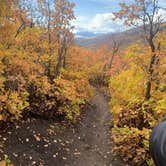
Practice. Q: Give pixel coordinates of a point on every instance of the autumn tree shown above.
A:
(7, 21)
(27, 14)
(114, 51)
(64, 29)
(146, 16)
(56, 17)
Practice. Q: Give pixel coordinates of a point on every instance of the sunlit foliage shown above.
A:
(133, 116)
(40, 69)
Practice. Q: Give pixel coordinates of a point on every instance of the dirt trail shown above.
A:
(39, 142)
(95, 142)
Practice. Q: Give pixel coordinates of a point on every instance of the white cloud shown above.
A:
(162, 3)
(162, 13)
(104, 23)
(100, 23)
(80, 23)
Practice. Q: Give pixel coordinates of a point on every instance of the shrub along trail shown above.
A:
(42, 142)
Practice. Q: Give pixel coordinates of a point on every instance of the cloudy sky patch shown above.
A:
(95, 16)
(100, 23)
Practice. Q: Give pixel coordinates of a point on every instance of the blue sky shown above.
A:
(90, 7)
(95, 16)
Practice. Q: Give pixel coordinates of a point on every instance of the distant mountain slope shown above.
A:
(85, 35)
(125, 38)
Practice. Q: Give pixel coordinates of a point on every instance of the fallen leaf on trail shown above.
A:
(15, 154)
(54, 156)
(27, 139)
(55, 141)
(17, 127)
(34, 162)
(67, 149)
(4, 139)
(77, 153)
(62, 144)
(37, 138)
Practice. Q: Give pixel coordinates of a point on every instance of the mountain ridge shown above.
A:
(125, 39)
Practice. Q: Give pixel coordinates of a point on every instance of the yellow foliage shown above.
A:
(133, 116)
(73, 92)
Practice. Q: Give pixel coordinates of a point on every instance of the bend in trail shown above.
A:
(88, 144)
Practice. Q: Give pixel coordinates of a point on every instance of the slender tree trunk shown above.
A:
(49, 39)
(59, 62)
(111, 61)
(148, 90)
(108, 65)
(61, 57)
(150, 73)
(64, 57)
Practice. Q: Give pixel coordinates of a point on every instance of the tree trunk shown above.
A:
(151, 66)
(111, 61)
(49, 39)
(59, 63)
(64, 57)
(61, 58)
(148, 90)
(150, 75)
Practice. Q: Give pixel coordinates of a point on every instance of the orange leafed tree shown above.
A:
(145, 16)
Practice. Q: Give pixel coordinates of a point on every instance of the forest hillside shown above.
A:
(62, 102)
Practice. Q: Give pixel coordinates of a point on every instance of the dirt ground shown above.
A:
(48, 143)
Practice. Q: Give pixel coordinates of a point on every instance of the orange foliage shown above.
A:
(28, 62)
